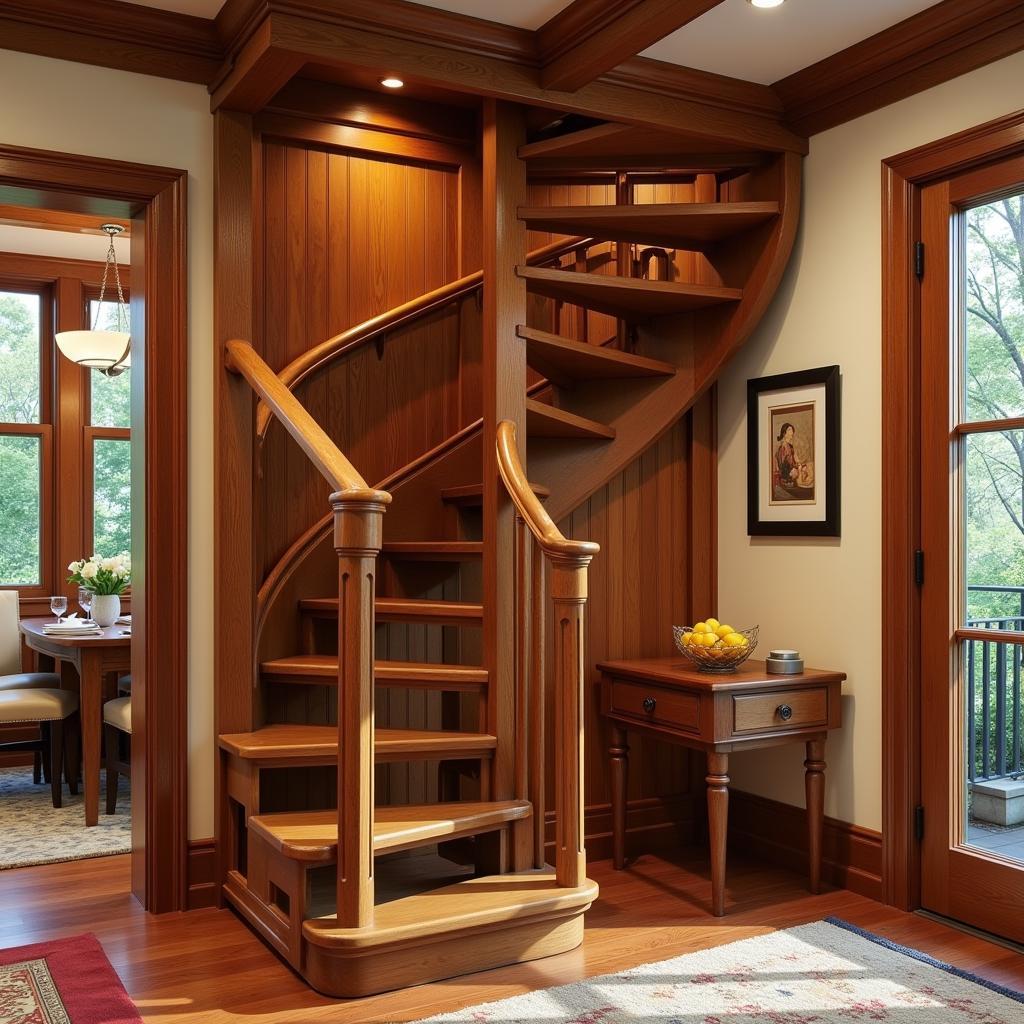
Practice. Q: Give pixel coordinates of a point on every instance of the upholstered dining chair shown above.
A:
(117, 730)
(56, 713)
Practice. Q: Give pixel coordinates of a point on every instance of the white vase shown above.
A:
(106, 609)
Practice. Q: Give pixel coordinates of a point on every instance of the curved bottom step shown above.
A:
(473, 925)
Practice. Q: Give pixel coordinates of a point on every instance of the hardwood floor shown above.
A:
(207, 967)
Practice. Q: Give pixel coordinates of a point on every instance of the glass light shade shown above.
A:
(97, 349)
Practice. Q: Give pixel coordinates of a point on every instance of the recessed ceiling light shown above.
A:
(392, 83)
(766, 3)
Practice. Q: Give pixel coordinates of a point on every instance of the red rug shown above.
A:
(69, 981)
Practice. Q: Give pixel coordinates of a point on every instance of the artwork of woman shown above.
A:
(792, 471)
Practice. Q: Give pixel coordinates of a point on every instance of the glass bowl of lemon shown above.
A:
(715, 646)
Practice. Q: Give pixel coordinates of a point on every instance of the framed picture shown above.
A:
(793, 454)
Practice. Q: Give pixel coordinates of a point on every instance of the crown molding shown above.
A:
(112, 34)
(935, 46)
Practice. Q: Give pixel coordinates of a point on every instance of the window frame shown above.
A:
(43, 429)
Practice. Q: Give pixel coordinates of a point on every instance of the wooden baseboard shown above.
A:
(777, 833)
(653, 825)
(201, 878)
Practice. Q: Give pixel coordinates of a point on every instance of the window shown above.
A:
(25, 436)
(108, 450)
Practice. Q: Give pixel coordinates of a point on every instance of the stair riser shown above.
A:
(410, 684)
(438, 619)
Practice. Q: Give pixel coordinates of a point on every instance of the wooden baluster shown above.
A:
(538, 695)
(357, 540)
(569, 597)
(623, 253)
(522, 841)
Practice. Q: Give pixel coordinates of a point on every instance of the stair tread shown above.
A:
(310, 743)
(562, 359)
(401, 608)
(312, 836)
(325, 667)
(472, 902)
(624, 296)
(472, 495)
(434, 550)
(676, 225)
(547, 421)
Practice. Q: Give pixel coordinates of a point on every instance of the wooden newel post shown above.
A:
(358, 518)
(569, 597)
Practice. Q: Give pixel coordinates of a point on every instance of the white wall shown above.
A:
(823, 596)
(59, 105)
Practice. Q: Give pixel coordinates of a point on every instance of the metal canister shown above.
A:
(784, 663)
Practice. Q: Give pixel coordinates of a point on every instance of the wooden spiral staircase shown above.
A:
(464, 545)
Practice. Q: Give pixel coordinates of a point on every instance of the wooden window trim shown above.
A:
(903, 178)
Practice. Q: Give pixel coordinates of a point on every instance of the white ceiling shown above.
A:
(733, 39)
(64, 244)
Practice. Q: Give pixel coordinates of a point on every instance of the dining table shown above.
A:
(93, 658)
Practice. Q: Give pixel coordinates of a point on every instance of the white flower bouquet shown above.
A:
(103, 576)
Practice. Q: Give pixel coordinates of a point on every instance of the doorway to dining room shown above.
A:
(92, 513)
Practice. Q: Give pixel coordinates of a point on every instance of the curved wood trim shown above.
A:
(552, 541)
(310, 436)
(354, 337)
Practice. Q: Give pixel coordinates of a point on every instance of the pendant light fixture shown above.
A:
(108, 351)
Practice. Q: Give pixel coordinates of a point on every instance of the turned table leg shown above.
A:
(718, 826)
(814, 785)
(618, 753)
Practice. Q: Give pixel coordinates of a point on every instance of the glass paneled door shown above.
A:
(972, 529)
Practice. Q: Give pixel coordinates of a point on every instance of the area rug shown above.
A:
(829, 972)
(32, 831)
(69, 981)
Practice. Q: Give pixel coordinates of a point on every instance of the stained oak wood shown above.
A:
(312, 836)
(564, 361)
(471, 495)
(628, 297)
(662, 903)
(589, 37)
(323, 669)
(550, 421)
(433, 550)
(297, 744)
(393, 609)
(678, 225)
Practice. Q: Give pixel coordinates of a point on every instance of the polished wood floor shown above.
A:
(207, 966)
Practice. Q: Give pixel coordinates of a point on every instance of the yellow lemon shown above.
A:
(687, 639)
(710, 639)
(724, 630)
(735, 639)
(712, 624)
(700, 627)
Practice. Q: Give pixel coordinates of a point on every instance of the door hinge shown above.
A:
(919, 260)
(919, 567)
(919, 823)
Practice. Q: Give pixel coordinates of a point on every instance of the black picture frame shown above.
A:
(757, 447)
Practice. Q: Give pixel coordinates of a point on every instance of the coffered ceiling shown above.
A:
(733, 39)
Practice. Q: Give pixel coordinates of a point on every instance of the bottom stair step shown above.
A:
(312, 836)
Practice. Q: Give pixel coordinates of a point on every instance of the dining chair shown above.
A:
(56, 713)
(11, 675)
(117, 729)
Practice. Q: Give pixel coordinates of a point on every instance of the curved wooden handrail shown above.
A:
(310, 361)
(551, 540)
(309, 435)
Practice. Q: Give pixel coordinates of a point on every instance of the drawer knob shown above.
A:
(785, 712)
(650, 704)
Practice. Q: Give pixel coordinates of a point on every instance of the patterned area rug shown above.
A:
(69, 981)
(33, 832)
(824, 973)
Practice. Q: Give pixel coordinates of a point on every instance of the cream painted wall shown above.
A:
(823, 596)
(59, 105)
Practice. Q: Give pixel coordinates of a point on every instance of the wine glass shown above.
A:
(85, 602)
(58, 605)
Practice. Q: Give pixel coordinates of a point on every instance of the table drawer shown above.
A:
(781, 710)
(655, 705)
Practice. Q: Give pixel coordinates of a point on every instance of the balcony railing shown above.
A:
(995, 731)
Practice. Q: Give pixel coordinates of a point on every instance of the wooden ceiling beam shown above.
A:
(590, 37)
(938, 44)
(289, 40)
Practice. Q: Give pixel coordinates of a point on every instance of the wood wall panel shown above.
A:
(346, 238)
